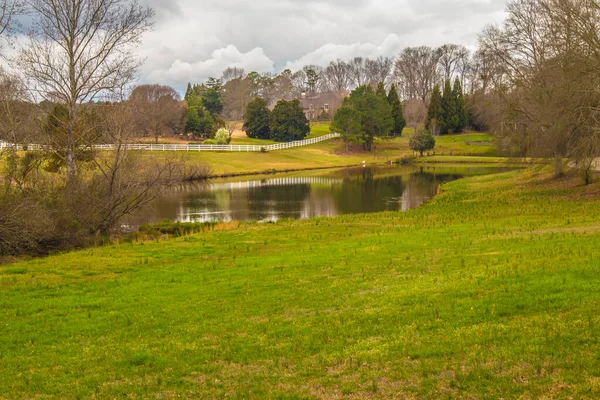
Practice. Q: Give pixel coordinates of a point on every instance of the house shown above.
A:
(315, 105)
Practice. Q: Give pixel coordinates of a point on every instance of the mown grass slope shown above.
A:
(489, 291)
(331, 153)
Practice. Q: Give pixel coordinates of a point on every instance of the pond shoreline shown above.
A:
(463, 160)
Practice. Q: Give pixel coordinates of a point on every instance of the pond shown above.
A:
(307, 194)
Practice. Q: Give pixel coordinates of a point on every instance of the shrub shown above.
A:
(222, 136)
(422, 141)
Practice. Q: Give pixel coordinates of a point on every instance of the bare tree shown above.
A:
(358, 71)
(450, 56)
(158, 109)
(415, 112)
(9, 11)
(379, 70)
(416, 72)
(337, 76)
(231, 73)
(237, 92)
(80, 50)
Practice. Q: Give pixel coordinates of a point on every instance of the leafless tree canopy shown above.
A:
(158, 109)
(416, 72)
(80, 50)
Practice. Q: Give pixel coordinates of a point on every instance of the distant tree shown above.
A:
(435, 114)
(288, 122)
(416, 112)
(199, 122)
(375, 114)
(380, 91)
(256, 119)
(397, 112)
(158, 109)
(312, 75)
(212, 97)
(346, 122)
(450, 116)
(422, 141)
(188, 92)
(459, 103)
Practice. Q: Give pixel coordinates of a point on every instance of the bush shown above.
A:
(209, 141)
(422, 141)
(222, 136)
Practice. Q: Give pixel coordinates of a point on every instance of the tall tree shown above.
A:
(79, 50)
(375, 114)
(158, 109)
(459, 103)
(257, 119)
(358, 71)
(188, 92)
(450, 116)
(397, 112)
(379, 70)
(337, 76)
(416, 72)
(288, 122)
(435, 113)
(212, 97)
(347, 123)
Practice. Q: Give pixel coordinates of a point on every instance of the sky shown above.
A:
(196, 39)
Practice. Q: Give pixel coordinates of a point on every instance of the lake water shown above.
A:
(307, 194)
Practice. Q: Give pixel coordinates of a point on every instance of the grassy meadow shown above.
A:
(489, 291)
(331, 153)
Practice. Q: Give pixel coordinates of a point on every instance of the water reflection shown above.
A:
(350, 191)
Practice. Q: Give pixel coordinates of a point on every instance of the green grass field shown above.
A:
(331, 153)
(489, 291)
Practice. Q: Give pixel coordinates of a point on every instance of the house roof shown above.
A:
(319, 100)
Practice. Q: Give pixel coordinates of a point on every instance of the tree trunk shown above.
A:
(558, 166)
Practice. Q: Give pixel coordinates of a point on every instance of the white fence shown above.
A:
(194, 147)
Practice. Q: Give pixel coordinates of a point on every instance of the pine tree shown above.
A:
(450, 116)
(188, 92)
(380, 91)
(397, 112)
(435, 116)
(256, 124)
(461, 110)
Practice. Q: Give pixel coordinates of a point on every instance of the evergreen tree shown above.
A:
(212, 96)
(188, 92)
(375, 114)
(288, 122)
(198, 120)
(397, 112)
(435, 116)
(256, 119)
(380, 91)
(449, 113)
(461, 110)
(346, 122)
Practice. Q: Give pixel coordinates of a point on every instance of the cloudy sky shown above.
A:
(194, 40)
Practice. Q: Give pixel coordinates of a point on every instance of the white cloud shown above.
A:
(193, 40)
(180, 72)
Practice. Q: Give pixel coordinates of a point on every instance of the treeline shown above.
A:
(544, 80)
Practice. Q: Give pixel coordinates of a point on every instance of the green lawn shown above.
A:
(489, 291)
(331, 153)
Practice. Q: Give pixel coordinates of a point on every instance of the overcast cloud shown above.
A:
(194, 40)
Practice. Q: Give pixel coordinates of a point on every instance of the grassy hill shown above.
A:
(489, 291)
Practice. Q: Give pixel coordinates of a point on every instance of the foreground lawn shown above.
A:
(489, 291)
